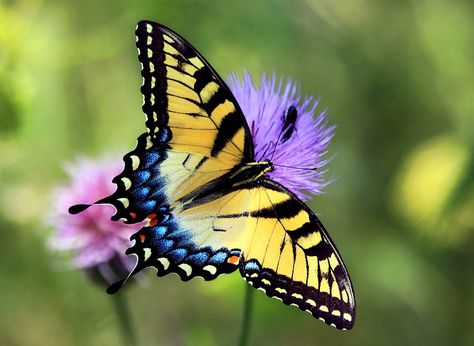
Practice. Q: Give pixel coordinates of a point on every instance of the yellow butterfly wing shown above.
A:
(291, 257)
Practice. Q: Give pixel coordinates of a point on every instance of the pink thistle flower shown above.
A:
(297, 149)
(97, 243)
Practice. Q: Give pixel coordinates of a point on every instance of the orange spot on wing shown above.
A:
(142, 238)
(233, 260)
(152, 221)
(133, 215)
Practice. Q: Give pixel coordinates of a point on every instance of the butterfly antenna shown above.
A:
(302, 168)
(276, 144)
(266, 149)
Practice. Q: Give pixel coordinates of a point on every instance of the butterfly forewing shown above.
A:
(187, 104)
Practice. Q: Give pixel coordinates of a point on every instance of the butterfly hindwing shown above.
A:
(291, 257)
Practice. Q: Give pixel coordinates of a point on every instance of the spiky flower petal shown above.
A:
(299, 154)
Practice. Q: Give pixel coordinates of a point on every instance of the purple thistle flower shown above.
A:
(299, 148)
(97, 243)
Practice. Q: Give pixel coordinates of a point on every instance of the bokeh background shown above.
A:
(397, 78)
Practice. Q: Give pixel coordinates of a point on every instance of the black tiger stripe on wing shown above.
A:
(229, 128)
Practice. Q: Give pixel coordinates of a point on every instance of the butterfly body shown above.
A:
(209, 207)
(242, 175)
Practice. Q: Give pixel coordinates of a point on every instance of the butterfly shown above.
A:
(208, 206)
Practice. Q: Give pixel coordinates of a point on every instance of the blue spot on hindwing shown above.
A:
(199, 258)
(252, 265)
(163, 245)
(141, 193)
(164, 134)
(159, 232)
(149, 206)
(177, 255)
(142, 176)
(218, 258)
(150, 158)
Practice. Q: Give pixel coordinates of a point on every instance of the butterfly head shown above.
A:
(262, 167)
(267, 166)
(250, 172)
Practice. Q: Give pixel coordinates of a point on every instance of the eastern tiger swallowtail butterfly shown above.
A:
(210, 209)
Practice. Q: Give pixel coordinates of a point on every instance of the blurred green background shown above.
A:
(397, 77)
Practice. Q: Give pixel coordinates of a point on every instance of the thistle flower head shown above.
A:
(284, 131)
(97, 243)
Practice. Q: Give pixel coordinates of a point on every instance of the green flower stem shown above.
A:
(124, 319)
(247, 316)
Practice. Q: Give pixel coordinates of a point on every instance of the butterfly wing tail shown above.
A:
(116, 286)
(79, 208)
